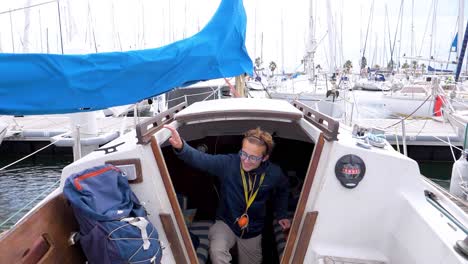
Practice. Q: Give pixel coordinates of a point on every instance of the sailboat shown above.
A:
(355, 202)
(324, 92)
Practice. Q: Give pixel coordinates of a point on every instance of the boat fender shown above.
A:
(438, 106)
(459, 179)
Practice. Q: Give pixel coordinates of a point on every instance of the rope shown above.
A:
(412, 113)
(27, 156)
(26, 7)
(28, 204)
(453, 146)
(189, 95)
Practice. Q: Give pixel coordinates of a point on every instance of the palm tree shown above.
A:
(414, 65)
(423, 68)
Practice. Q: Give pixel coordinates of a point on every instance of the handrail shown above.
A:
(432, 199)
(143, 131)
(326, 124)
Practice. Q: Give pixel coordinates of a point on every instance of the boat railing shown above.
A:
(326, 124)
(147, 128)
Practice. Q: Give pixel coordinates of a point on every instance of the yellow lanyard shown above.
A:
(250, 198)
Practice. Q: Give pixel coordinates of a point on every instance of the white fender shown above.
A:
(459, 181)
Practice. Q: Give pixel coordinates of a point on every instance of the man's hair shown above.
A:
(261, 138)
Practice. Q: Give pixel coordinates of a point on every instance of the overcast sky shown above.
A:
(137, 24)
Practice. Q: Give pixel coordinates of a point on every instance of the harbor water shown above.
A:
(24, 184)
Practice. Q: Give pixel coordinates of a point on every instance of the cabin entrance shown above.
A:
(198, 192)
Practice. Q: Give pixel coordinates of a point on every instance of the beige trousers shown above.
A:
(222, 239)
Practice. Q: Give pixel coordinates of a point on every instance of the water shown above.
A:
(26, 183)
(438, 171)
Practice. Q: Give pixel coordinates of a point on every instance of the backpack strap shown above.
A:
(141, 223)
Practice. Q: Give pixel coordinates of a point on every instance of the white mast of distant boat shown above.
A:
(311, 46)
(461, 8)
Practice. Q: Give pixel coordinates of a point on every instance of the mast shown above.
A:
(11, 31)
(311, 46)
(461, 7)
(412, 28)
(261, 47)
(462, 54)
(60, 25)
(255, 34)
(40, 30)
(431, 55)
(331, 38)
(27, 13)
(282, 43)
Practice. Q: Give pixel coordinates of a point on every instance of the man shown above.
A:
(247, 180)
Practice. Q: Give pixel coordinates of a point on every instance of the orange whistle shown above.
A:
(243, 221)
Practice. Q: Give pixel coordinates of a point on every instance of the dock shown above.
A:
(29, 133)
(419, 132)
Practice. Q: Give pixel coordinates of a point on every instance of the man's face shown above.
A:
(252, 155)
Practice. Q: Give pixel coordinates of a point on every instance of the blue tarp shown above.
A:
(431, 69)
(51, 83)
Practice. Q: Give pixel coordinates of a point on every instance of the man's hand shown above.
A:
(285, 224)
(175, 139)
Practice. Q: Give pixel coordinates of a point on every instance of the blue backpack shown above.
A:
(114, 227)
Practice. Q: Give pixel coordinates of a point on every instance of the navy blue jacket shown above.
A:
(232, 200)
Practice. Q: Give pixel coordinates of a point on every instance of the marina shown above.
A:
(222, 135)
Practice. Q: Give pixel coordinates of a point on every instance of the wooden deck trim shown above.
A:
(174, 202)
(305, 236)
(173, 238)
(146, 129)
(135, 162)
(300, 210)
(42, 237)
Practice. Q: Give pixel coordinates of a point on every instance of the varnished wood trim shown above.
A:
(145, 132)
(305, 236)
(299, 214)
(40, 247)
(173, 238)
(43, 236)
(329, 126)
(136, 162)
(173, 200)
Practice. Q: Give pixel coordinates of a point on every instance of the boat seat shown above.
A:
(200, 229)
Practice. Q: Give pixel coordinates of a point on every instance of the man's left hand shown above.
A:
(285, 224)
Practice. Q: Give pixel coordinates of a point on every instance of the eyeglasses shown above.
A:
(244, 156)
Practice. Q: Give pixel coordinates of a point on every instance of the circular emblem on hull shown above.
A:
(350, 170)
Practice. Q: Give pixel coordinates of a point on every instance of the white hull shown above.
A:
(385, 219)
(316, 101)
(407, 104)
(365, 84)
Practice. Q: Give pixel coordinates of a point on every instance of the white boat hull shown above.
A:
(384, 218)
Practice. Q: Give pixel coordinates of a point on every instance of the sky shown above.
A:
(114, 25)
